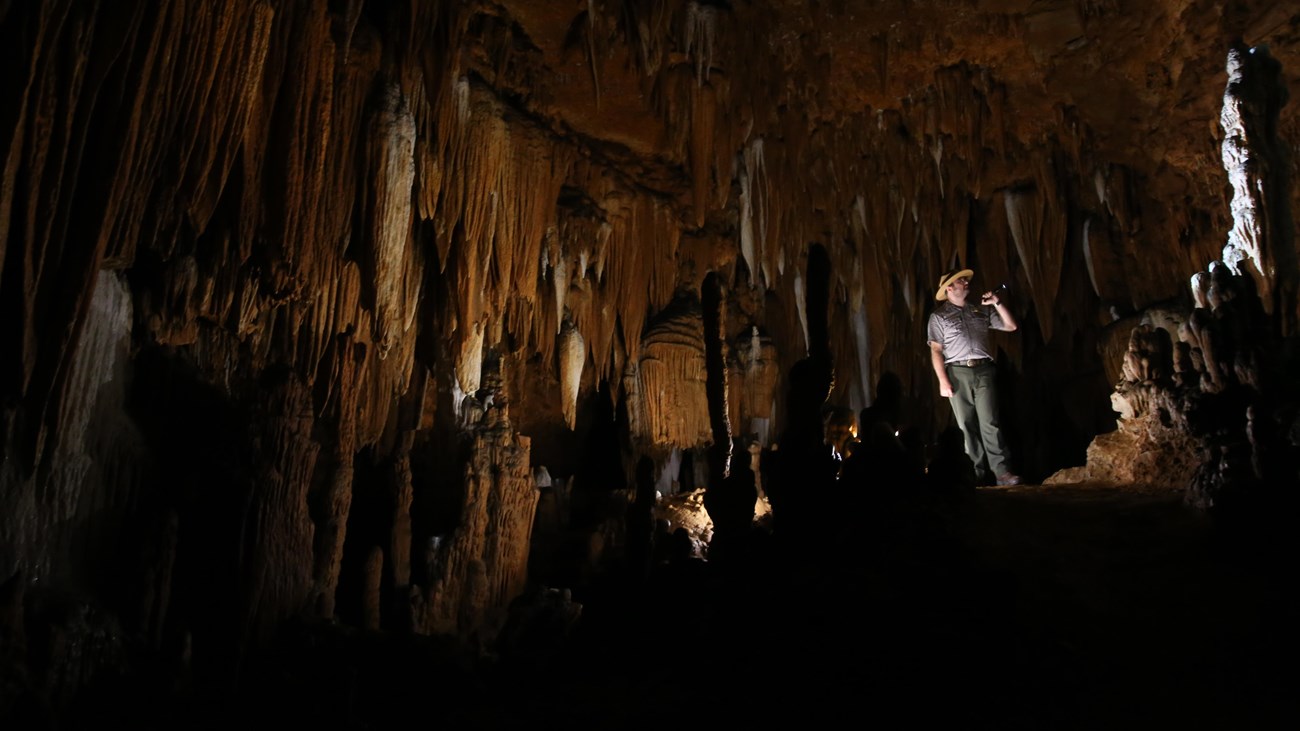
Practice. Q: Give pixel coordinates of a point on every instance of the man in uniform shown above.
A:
(962, 357)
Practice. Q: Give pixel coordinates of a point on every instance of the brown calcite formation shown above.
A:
(483, 564)
(752, 383)
(1152, 446)
(670, 382)
(259, 260)
(277, 528)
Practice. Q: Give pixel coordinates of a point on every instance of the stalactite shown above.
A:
(641, 271)
(755, 197)
(505, 159)
(701, 27)
(593, 56)
(469, 363)
(876, 280)
(717, 464)
(667, 471)
(393, 140)
(672, 378)
(747, 227)
(238, 62)
(1105, 270)
(862, 341)
(1038, 229)
(83, 483)
(703, 138)
(756, 372)
(99, 359)
(801, 302)
(334, 311)
(573, 353)
(560, 276)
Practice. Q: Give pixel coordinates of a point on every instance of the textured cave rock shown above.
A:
(301, 300)
(1204, 397)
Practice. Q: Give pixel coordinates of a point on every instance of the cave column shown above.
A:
(337, 498)
(1262, 240)
(277, 528)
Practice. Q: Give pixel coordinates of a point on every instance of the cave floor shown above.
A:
(1028, 607)
(1062, 607)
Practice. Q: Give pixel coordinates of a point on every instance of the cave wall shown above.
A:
(272, 273)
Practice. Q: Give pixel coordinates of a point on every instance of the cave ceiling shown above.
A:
(1133, 84)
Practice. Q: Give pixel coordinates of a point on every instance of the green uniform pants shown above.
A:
(975, 404)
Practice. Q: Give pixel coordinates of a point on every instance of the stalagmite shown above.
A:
(401, 494)
(483, 565)
(276, 529)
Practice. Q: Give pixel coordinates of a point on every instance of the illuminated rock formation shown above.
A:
(671, 379)
(483, 564)
(753, 380)
(1202, 400)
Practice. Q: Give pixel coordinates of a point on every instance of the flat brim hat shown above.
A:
(942, 293)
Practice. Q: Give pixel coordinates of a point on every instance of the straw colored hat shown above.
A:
(942, 293)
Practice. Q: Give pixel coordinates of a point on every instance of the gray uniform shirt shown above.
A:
(963, 331)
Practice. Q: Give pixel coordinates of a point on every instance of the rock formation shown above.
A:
(1203, 399)
(298, 297)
